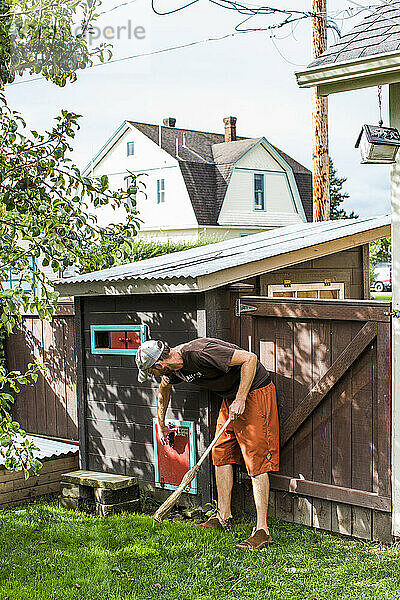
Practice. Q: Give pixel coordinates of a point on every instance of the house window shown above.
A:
(131, 201)
(259, 199)
(117, 339)
(318, 291)
(160, 191)
(10, 279)
(130, 148)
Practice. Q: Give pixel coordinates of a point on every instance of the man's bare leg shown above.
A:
(224, 479)
(261, 498)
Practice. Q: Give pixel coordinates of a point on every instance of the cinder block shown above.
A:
(70, 503)
(103, 510)
(104, 496)
(71, 490)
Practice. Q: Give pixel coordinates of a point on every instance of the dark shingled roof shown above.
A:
(206, 162)
(378, 32)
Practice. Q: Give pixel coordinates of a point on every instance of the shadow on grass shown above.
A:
(47, 552)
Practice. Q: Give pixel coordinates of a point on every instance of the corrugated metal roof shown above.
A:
(212, 258)
(47, 448)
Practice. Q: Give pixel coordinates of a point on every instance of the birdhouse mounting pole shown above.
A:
(321, 198)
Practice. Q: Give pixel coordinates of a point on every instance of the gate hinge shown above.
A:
(394, 313)
(243, 308)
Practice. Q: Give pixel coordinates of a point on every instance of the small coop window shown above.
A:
(318, 291)
(117, 339)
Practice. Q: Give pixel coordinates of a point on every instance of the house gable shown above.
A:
(205, 163)
(154, 164)
(282, 201)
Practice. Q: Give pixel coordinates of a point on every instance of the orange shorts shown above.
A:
(252, 438)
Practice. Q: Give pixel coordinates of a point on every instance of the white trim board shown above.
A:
(378, 69)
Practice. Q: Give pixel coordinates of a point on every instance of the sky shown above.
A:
(247, 75)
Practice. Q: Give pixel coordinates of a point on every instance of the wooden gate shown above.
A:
(330, 361)
(49, 407)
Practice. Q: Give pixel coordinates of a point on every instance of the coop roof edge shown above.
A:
(214, 265)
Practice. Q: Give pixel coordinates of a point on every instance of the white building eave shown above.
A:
(104, 150)
(378, 69)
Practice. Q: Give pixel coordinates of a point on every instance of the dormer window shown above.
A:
(130, 148)
(160, 191)
(259, 195)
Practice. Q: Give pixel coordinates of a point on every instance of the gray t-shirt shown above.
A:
(206, 364)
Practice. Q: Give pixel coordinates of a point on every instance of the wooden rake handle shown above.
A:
(164, 509)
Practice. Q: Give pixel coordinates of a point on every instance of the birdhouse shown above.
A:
(378, 145)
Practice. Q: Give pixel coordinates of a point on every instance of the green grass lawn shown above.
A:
(47, 552)
(381, 296)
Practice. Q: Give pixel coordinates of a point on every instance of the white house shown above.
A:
(199, 183)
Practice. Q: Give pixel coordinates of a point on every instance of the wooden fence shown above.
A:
(50, 406)
(330, 361)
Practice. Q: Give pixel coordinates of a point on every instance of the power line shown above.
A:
(104, 12)
(145, 54)
(372, 9)
(250, 12)
(284, 57)
(171, 12)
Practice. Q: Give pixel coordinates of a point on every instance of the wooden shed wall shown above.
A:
(116, 410)
(350, 267)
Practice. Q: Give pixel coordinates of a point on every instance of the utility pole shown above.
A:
(321, 199)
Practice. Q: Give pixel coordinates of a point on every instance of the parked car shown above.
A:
(382, 277)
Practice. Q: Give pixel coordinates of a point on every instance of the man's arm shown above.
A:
(163, 397)
(248, 366)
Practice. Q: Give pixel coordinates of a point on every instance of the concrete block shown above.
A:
(96, 479)
(104, 496)
(71, 503)
(71, 490)
(103, 510)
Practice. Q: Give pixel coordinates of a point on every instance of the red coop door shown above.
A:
(175, 458)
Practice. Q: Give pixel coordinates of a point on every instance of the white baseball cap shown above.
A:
(146, 356)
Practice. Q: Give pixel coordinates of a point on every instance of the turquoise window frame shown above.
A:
(125, 351)
(192, 454)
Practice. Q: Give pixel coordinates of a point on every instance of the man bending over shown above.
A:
(249, 397)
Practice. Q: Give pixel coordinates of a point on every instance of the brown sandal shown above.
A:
(215, 523)
(259, 539)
